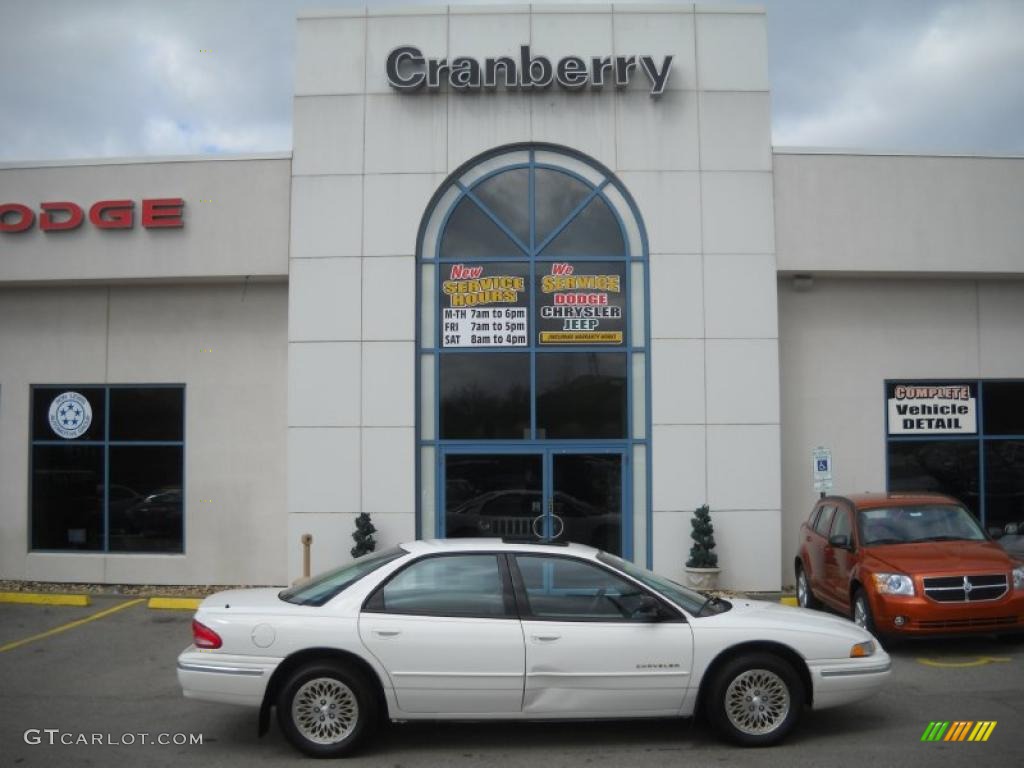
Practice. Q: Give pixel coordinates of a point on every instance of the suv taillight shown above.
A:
(204, 637)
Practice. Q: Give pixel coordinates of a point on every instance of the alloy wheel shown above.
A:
(757, 702)
(325, 710)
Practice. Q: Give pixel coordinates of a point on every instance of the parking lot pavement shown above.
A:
(115, 676)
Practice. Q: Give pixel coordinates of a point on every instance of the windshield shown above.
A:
(924, 522)
(325, 586)
(677, 593)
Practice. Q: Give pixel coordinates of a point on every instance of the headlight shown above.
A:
(1018, 577)
(860, 650)
(893, 584)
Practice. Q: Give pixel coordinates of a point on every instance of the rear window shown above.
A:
(332, 583)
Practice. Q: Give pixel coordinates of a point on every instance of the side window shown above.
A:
(824, 521)
(841, 525)
(453, 585)
(813, 519)
(570, 590)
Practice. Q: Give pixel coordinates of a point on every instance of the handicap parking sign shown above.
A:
(821, 463)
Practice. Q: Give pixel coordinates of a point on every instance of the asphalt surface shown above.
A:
(115, 676)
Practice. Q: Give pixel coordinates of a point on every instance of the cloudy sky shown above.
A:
(90, 78)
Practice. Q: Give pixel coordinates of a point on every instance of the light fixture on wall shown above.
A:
(803, 282)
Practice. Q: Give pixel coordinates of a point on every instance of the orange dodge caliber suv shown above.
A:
(908, 564)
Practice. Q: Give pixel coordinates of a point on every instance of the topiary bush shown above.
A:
(703, 535)
(363, 536)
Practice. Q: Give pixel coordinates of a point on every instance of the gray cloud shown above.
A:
(106, 78)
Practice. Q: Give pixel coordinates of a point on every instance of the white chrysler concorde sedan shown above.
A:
(474, 629)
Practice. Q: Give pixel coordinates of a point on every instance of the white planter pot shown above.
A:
(702, 578)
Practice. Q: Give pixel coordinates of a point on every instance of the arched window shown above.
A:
(532, 355)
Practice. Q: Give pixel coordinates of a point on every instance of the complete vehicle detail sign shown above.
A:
(409, 70)
(932, 409)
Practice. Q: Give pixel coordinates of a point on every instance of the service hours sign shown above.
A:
(484, 305)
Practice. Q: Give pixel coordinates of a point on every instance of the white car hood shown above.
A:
(763, 616)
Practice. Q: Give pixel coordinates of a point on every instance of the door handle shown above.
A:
(546, 638)
(386, 632)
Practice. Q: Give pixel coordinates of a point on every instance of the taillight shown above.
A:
(204, 637)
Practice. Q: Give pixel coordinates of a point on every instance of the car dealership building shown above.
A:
(528, 270)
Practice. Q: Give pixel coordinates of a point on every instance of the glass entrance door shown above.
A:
(586, 499)
(563, 495)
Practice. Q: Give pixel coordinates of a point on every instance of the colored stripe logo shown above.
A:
(958, 730)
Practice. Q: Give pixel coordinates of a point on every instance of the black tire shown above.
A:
(342, 692)
(755, 700)
(860, 612)
(804, 594)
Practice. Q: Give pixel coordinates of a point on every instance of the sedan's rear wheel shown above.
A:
(804, 595)
(756, 700)
(325, 709)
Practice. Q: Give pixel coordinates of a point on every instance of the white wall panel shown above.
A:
(740, 296)
(389, 470)
(737, 212)
(323, 384)
(735, 131)
(732, 52)
(327, 216)
(326, 301)
(389, 300)
(323, 469)
(670, 206)
(327, 134)
(677, 381)
(389, 399)
(679, 467)
(743, 466)
(330, 56)
(743, 381)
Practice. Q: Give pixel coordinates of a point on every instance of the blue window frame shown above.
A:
(983, 467)
(107, 465)
(507, 220)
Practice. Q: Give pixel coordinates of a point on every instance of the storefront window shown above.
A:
(961, 438)
(107, 468)
(532, 353)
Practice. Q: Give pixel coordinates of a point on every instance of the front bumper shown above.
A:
(924, 617)
(841, 681)
(229, 679)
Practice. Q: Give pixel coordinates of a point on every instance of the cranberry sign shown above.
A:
(156, 213)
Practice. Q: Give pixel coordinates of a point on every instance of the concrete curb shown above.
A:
(174, 603)
(37, 598)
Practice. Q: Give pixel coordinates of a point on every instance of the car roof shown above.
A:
(907, 498)
(425, 546)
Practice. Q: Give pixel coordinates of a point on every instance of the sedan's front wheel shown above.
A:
(325, 709)
(756, 700)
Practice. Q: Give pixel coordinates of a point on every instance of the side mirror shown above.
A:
(649, 609)
(839, 541)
